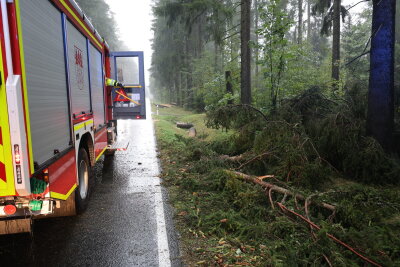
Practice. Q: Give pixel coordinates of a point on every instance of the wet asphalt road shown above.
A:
(128, 221)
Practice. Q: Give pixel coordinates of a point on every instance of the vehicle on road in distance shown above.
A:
(57, 113)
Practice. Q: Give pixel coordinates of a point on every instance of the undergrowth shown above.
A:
(225, 221)
(309, 136)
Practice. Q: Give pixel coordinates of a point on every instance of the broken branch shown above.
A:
(275, 188)
(313, 225)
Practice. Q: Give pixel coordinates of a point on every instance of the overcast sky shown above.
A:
(134, 18)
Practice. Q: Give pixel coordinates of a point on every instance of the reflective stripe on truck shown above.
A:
(16, 115)
(6, 167)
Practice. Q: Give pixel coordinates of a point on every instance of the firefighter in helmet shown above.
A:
(119, 90)
(111, 82)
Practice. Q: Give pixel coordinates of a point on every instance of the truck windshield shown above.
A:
(128, 70)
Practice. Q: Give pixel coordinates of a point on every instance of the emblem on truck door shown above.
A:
(79, 68)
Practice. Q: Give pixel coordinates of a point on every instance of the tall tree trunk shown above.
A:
(397, 62)
(170, 94)
(336, 44)
(257, 37)
(200, 38)
(232, 47)
(216, 57)
(178, 88)
(380, 120)
(300, 22)
(309, 20)
(229, 89)
(245, 76)
(398, 22)
(190, 52)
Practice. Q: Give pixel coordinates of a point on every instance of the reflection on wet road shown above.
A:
(126, 224)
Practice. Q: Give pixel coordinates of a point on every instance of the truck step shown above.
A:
(121, 145)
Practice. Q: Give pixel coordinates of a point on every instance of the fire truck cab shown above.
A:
(57, 116)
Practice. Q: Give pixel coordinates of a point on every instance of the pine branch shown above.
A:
(232, 28)
(365, 48)
(235, 33)
(357, 4)
(357, 57)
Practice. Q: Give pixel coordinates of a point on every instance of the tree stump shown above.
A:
(192, 132)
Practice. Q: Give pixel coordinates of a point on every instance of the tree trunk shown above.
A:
(257, 37)
(380, 120)
(190, 51)
(170, 94)
(397, 64)
(245, 76)
(300, 22)
(229, 88)
(398, 23)
(309, 20)
(200, 38)
(336, 44)
(175, 95)
(179, 102)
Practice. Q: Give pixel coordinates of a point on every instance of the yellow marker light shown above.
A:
(46, 175)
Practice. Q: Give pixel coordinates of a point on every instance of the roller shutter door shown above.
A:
(96, 77)
(78, 69)
(45, 78)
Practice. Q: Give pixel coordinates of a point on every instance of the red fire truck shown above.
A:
(56, 110)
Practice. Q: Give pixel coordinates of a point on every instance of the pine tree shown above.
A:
(245, 77)
(333, 11)
(380, 121)
(103, 20)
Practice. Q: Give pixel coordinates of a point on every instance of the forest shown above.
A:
(103, 18)
(293, 46)
(311, 59)
(304, 168)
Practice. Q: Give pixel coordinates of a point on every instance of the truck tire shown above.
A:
(85, 178)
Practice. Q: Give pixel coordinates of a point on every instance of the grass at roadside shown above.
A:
(202, 209)
(226, 222)
(167, 118)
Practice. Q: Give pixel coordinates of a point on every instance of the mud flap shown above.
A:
(15, 226)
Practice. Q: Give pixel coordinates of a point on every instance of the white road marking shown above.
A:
(162, 238)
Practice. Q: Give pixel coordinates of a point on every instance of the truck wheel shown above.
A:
(83, 191)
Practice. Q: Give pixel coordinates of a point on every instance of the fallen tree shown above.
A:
(274, 188)
(233, 158)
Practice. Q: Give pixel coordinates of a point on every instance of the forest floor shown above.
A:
(224, 221)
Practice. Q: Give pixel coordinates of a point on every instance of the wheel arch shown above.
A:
(88, 144)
